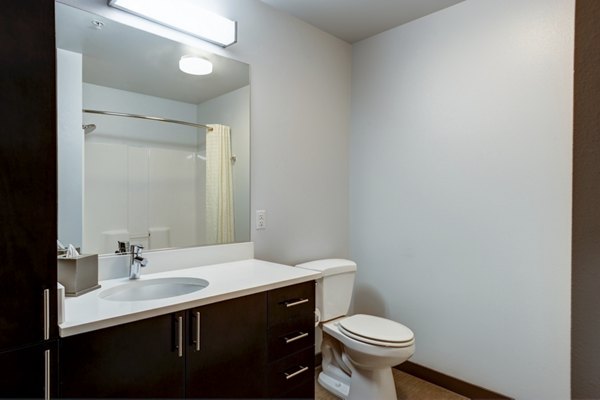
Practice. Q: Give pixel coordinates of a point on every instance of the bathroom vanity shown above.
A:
(220, 329)
(248, 334)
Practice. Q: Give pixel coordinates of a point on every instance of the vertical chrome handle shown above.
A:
(197, 331)
(46, 314)
(47, 375)
(180, 336)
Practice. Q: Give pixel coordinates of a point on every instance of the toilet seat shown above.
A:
(376, 331)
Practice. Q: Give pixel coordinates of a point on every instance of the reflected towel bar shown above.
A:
(173, 121)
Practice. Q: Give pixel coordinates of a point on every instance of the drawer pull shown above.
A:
(298, 337)
(293, 374)
(292, 303)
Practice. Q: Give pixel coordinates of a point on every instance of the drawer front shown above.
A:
(304, 391)
(291, 302)
(292, 372)
(291, 336)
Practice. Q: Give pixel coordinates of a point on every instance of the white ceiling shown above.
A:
(355, 20)
(125, 58)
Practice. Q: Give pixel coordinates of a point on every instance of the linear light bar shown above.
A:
(184, 16)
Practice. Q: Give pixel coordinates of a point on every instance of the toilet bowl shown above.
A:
(358, 351)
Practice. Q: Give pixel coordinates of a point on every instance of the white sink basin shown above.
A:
(152, 289)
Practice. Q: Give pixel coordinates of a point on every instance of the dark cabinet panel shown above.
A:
(291, 302)
(221, 350)
(138, 359)
(27, 171)
(229, 361)
(29, 372)
(291, 337)
(292, 375)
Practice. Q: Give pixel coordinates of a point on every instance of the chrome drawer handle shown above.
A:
(293, 374)
(300, 336)
(291, 303)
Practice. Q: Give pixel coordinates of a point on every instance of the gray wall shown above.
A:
(460, 189)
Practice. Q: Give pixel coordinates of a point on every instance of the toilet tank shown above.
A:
(334, 289)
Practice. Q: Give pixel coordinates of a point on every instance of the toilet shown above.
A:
(360, 350)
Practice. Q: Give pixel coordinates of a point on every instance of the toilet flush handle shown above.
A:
(317, 317)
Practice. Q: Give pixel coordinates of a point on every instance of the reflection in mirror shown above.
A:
(155, 183)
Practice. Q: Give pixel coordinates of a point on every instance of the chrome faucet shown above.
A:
(137, 261)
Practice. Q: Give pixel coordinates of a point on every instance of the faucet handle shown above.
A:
(136, 249)
(122, 247)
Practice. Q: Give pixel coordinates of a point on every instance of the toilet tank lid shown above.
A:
(330, 266)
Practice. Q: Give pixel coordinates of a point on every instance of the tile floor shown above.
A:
(408, 387)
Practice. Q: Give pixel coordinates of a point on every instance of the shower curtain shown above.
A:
(219, 186)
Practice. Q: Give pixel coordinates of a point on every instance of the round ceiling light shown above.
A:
(195, 65)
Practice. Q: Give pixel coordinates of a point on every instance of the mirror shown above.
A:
(155, 183)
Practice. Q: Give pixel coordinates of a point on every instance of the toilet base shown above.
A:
(334, 386)
(372, 384)
(365, 384)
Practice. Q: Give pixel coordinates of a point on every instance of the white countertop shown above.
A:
(89, 312)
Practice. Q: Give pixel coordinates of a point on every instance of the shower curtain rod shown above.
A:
(173, 121)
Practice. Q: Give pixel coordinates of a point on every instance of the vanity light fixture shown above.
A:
(185, 16)
(195, 65)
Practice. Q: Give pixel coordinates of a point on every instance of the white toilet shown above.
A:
(358, 351)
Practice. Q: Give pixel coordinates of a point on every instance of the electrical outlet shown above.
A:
(261, 219)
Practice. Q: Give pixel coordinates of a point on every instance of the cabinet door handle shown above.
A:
(180, 336)
(197, 331)
(297, 337)
(46, 314)
(47, 375)
(296, 373)
(292, 303)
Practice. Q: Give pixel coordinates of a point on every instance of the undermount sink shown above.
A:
(152, 289)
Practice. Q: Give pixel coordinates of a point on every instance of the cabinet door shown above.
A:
(29, 372)
(227, 356)
(138, 359)
(28, 164)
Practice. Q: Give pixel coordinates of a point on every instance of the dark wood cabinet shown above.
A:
(29, 372)
(168, 357)
(27, 173)
(238, 348)
(291, 336)
(135, 360)
(27, 197)
(227, 349)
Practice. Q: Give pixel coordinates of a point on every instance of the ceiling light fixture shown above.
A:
(195, 65)
(185, 16)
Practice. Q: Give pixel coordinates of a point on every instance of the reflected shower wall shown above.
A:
(143, 180)
(149, 196)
